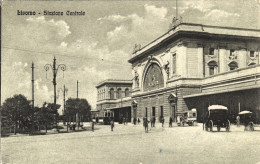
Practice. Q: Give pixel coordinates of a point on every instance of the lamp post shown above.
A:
(54, 69)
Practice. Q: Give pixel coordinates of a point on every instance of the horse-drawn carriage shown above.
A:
(217, 115)
(246, 118)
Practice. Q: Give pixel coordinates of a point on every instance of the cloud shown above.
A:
(200, 5)
(58, 27)
(155, 12)
(220, 14)
(134, 27)
(113, 18)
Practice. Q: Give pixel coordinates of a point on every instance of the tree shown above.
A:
(16, 112)
(77, 107)
(47, 114)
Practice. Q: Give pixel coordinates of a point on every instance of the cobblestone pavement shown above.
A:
(130, 144)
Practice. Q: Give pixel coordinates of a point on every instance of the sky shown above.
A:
(98, 45)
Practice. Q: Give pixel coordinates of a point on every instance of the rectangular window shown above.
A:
(146, 112)
(211, 51)
(211, 70)
(252, 54)
(161, 110)
(174, 63)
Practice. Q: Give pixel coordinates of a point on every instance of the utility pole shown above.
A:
(77, 114)
(77, 89)
(64, 94)
(65, 116)
(54, 69)
(176, 9)
(32, 85)
(32, 96)
(0, 53)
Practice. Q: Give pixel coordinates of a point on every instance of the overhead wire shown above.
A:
(63, 55)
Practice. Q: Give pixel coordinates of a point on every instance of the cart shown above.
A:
(187, 117)
(246, 118)
(217, 116)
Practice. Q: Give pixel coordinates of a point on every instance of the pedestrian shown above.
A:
(93, 123)
(134, 121)
(138, 120)
(146, 125)
(162, 120)
(152, 122)
(170, 122)
(124, 120)
(112, 124)
(238, 120)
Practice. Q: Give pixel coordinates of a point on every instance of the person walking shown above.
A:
(162, 120)
(146, 125)
(92, 127)
(124, 120)
(238, 121)
(112, 124)
(134, 121)
(170, 122)
(138, 120)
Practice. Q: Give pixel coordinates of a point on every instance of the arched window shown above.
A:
(153, 78)
(119, 93)
(233, 65)
(126, 92)
(112, 93)
(212, 66)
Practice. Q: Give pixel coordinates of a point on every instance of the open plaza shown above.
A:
(130, 144)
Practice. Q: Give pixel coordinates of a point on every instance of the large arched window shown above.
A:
(212, 67)
(119, 93)
(126, 92)
(112, 93)
(233, 65)
(153, 78)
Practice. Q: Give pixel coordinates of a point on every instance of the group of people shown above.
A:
(153, 119)
(112, 124)
(137, 120)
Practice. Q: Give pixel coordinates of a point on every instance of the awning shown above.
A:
(217, 107)
(218, 92)
(245, 112)
(118, 108)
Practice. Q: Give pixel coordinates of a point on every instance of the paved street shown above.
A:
(129, 144)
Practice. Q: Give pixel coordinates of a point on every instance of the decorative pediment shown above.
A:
(172, 98)
(134, 102)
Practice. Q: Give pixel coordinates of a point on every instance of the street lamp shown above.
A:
(54, 69)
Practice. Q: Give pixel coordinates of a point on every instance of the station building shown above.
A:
(194, 66)
(114, 97)
(190, 66)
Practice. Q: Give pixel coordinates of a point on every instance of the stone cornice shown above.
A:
(200, 30)
(114, 81)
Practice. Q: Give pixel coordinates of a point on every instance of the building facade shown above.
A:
(194, 66)
(114, 95)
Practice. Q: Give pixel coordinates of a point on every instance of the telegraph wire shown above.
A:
(63, 55)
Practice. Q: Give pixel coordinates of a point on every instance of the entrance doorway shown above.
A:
(153, 111)
(173, 111)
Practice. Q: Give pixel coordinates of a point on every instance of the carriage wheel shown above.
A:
(218, 127)
(228, 126)
(211, 125)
